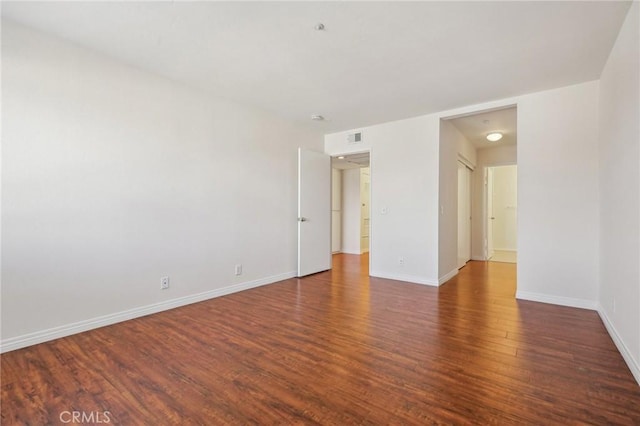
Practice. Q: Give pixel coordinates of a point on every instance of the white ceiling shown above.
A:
(475, 127)
(375, 61)
(351, 161)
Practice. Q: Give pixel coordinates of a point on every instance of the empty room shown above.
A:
(333, 213)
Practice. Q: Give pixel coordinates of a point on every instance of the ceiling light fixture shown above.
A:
(317, 117)
(341, 157)
(494, 136)
(319, 26)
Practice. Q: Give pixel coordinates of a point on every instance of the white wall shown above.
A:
(114, 177)
(505, 199)
(486, 157)
(619, 153)
(452, 144)
(351, 211)
(558, 195)
(404, 196)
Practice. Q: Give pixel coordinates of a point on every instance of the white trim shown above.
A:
(25, 340)
(592, 305)
(447, 276)
(557, 300)
(407, 278)
(478, 258)
(351, 250)
(466, 162)
(414, 279)
(501, 163)
(622, 348)
(479, 108)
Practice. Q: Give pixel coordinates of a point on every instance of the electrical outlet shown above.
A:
(401, 261)
(239, 269)
(164, 283)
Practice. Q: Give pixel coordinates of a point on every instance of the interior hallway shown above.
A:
(336, 348)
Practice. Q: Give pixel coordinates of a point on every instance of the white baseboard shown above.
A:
(622, 348)
(480, 258)
(350, 251)
(399, 277)
(18, 342)
(633, 364)
(447, 276)
(557, 300)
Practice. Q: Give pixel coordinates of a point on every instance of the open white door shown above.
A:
(314, 212)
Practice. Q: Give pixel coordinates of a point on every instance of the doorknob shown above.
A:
(302, 219)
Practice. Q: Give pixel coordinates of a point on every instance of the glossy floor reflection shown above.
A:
(336, 348)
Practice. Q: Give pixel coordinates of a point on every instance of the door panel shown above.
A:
(365, 181)
(504, 208)
(490, 214)
(464, 215)
(314, 212)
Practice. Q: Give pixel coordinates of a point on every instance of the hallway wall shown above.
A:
(619, 153)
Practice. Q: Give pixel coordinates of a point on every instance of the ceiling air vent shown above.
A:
(354, 138)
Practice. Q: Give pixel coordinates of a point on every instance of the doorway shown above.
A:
(502, 213)
(350, 207)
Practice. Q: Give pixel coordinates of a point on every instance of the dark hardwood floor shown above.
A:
(335, 348)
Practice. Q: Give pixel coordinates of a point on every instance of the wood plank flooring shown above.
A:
(336, 348)
(507, 256)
